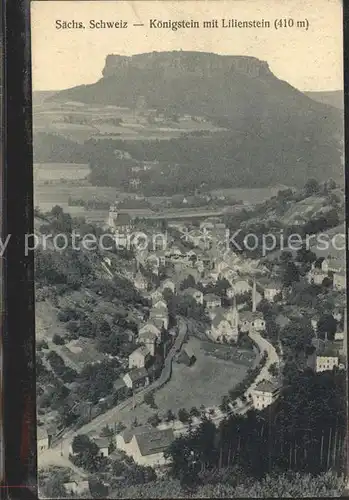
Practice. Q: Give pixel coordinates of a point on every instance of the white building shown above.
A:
(197, 295)
(103, 446)
(150, 327)
(251, 321)
(265, 394)
(139, 357)
(339, 281)
(43, 440)
(136, 378)
(211, 301)
(145, 445)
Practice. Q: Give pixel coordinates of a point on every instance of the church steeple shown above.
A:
(254, 298)
(235, 314)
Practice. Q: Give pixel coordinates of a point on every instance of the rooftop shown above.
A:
(267, 386)
(137, 374)
(142, 350)
(123, 219)
(154, 441)
(119, 384)
(250, 316)
(211, 297)
(190, 291)
(101, 442)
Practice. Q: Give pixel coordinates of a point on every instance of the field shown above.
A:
(250, 195)
(55, 183)
(204, 383)
(79, 122)
(44, 172)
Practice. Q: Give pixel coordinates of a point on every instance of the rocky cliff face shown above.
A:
(180, 63)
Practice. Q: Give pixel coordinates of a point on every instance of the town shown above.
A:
(270, 317)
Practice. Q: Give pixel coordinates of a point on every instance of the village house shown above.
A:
(325, 357)
(228, 274)
(338, 313)
(222, 330)
(136, 378)
(43, 439)
(140, 282)
(119, 387)
(339, 280)
(212, 301)
(250, 321)
(160, 304)
(197, 295)
(156, 295)
(186, 356)
(149, 339)
(240, 287)
(230, 293)
(121, 222)
(271, 290)
(159, 313)
(150, 327)
(78, 488)
(264, 394)
(332, 265)
(168, 284)
(145, 445)
(139, 358)
(316, 276)
(159, 323)
(103, 445)
(153, 262)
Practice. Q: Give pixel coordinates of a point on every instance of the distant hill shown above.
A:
(276, 133)
(334, 98)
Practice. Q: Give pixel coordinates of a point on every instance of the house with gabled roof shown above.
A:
(168, 284)
(146, 445)
(249, 321)
(77, 488)
(211, 301)
(139, 358)
(265, 393)
(103, 445)
(150, 327)
(197, 295)
(138, 377)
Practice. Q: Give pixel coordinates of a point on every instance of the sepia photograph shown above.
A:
(190, 248)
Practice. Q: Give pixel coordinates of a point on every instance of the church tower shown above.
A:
(254, 298)
(235, 315)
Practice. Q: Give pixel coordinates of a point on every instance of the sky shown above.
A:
(310, 60)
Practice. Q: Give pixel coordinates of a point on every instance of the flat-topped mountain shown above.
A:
(275, 132)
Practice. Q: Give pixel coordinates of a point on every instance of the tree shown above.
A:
(57, 211)
(225, 407)
(81, 443)
(290, 274)
(183, 415)
(58, 340)
(306, 256)
(107, 432)
(273, 369)
(286, 256)
(154, 420)
(194, 412)
(149, 399)
(170, 416)
(311, 187)
(327, 326)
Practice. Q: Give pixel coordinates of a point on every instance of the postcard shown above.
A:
(190, 274)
